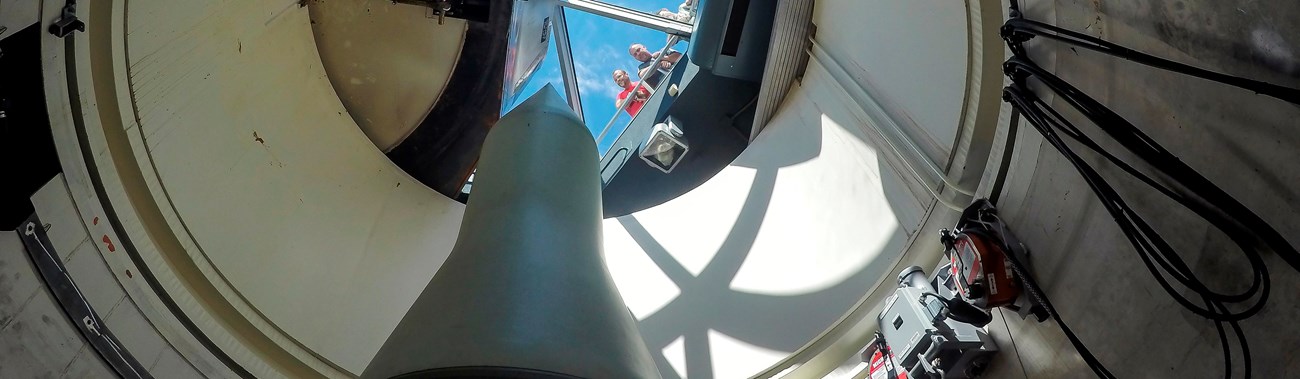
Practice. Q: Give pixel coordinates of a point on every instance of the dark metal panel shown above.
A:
(731, 37)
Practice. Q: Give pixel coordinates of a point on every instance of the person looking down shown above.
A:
(638, 100)
(652, 77)
(683, 13)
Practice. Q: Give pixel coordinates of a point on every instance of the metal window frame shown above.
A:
(564, 51)
(630, 16)
(676, 30)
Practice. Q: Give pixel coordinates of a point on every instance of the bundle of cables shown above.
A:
(1186, 186)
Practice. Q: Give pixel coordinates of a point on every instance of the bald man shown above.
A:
(652, 76)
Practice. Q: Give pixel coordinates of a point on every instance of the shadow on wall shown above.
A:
(709, 304)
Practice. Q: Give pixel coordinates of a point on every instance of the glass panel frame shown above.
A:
(675, 31)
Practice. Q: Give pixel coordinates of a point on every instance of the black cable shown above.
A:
(1039, 297)
(1209, 201)
(1157, 249)
(1151, 247)
(1017, 30)
(1191, 190)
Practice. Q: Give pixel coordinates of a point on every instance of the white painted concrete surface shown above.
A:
(911, 55)
(271, 179)
(36, 337)
(735, 275)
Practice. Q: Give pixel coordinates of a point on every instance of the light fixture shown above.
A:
(665, 147)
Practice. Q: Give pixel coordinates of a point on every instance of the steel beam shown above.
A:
(565, 52)
(634, 17)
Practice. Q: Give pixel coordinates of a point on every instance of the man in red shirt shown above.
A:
(642, 94)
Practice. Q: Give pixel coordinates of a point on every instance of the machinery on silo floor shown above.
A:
(931, 327)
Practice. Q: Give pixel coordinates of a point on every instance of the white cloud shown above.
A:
(595, 67)
(591, 84)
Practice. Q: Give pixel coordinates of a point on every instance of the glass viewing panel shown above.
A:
(600, 45)
(547, 73)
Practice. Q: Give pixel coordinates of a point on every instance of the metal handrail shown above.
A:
(569, 74)
(631, 16)
(654, 65)
(691, 9)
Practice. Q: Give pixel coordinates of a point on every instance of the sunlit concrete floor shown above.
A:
(1246, 144)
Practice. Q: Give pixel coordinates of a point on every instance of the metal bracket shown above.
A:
(68, 21)
(469, 10)
(441, 7)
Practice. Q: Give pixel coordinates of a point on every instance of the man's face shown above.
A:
(639, 52)
(620, 78)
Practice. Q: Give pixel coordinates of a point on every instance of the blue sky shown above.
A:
(599, 47)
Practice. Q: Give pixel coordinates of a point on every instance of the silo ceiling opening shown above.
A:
(651, 188)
